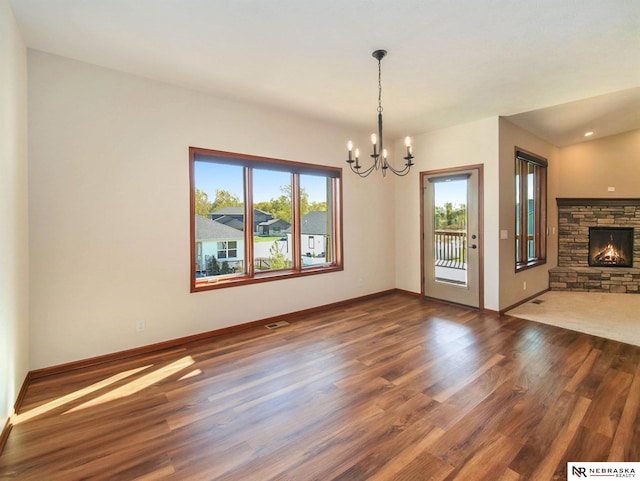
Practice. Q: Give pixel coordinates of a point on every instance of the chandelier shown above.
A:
(379, 154)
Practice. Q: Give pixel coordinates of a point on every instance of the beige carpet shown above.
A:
(614, 316)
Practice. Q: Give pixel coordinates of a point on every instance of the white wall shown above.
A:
(589, 169)
(109, 211)
(536, 279)
(467, 144)
(14, 263)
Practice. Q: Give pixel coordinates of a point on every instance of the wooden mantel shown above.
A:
(563, 201)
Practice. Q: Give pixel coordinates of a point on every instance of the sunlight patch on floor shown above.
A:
(137, 384)
(61, 401)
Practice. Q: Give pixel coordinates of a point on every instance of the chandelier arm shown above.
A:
(407, 165)
(400, 172)
(363, 173)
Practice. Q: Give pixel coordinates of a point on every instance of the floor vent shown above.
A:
(276, 325)
(537, 301)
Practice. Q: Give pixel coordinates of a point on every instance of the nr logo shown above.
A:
(578, 471)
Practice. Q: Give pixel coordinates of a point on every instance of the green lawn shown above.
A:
(257, 238)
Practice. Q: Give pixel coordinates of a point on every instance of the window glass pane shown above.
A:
(272, 213)
(316, 224)
(518, 233)
(219, 220)
(232, 248)
(450, 231)
(531, 213)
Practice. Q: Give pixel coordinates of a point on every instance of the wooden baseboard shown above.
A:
(513, 306)
(17, 407)
(409, 293)
(490, 311)
(173, 343)
(5, 434)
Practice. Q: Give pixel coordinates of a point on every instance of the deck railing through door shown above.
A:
(451, 248)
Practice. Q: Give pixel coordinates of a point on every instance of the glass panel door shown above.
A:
(452, 246)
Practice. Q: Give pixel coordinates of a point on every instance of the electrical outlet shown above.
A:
(140, 325)
(524, 286)
(360, 282)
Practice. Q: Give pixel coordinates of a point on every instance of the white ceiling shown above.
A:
(556, 66)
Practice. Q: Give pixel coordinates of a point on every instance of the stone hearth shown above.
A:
(575, 216)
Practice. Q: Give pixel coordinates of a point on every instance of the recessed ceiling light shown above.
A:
(588, 134)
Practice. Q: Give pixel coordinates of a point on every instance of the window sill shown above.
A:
(210, 284)
(530, 264)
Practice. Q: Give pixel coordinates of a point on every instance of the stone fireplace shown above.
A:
(598, 240)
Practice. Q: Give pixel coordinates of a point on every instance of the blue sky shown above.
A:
(266, 183)
(454, 191)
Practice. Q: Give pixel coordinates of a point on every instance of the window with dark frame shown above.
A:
(235, 198)
(531, 209)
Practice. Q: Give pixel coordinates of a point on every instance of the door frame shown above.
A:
(452, 170)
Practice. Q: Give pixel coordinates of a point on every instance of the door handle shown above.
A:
(473, 246)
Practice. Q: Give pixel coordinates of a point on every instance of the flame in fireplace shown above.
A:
(609, 255)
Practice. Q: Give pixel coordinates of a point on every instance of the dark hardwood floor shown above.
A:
(394, 388)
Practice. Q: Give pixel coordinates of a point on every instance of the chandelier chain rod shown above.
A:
(379, 86)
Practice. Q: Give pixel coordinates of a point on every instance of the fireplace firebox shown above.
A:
(611, 246)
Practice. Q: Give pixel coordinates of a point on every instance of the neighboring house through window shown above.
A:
(315, 236)
(216, 248)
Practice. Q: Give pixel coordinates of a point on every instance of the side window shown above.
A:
(531, 209)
